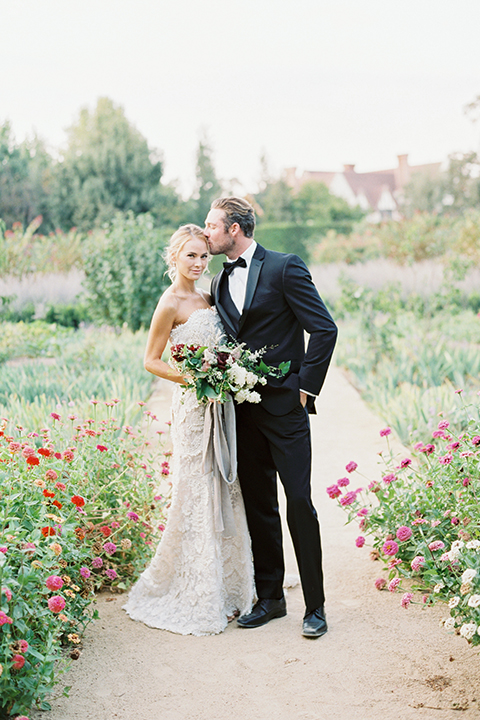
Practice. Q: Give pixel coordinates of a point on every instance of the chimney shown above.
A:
(349, 168)
(403, 170)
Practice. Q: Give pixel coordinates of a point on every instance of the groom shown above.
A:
(268, 299)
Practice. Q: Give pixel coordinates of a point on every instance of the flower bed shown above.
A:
(424, 519)
(79, 512)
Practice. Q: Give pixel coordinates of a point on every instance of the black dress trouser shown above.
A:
(268, 444)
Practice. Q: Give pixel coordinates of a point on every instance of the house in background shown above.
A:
(379, 193)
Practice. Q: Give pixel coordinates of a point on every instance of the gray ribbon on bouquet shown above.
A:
(220, 458)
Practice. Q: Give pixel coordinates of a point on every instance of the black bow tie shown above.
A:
(229, 267)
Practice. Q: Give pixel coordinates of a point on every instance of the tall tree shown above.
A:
(25, 170)
(107, 166)
(207, 186)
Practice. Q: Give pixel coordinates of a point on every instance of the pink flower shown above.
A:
(29, 548)
(476, 440)
(393, 584)
(3, 549)
(51, 475)
(60, 486)
(438, 434)
(7, 592)
(380, 583)
(453, 446)
(111, 573)
(389, 478)
(55, 416)
(85, 572)
(56, 603)
(429, 449)
(405, 462)
(343, 482)
(436, 545)
(390, 547)
(407, 599)
(362, 512)
(404, 533)
(102, 448)
(132, 516)
(443, 424)
(455, 520)
(110, 548)
(393, 563)
(97, 562)
(4, 619)
(28, 452)
(445, 459)
(161, 527)
(444, 557)
(386, 431)
(418, 447)
(435, 523)
(68, 456)
(23, 645)
(466, 482)
(360, 541)
(351, 466)
(417, 563)
(54, 582)
(18, 662)
(333, 491)
(348, 498)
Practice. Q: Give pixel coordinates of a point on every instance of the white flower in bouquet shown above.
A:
(251, 379)
(247, 396)
(468, 575)
(237, 375)
(473, 544)
(254, 397)
(468, 630)
(474, 601)
(438, 587)
(453, 602)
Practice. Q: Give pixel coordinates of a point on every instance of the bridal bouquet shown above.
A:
(224, 370)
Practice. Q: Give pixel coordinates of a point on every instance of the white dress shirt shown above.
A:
(237, 280)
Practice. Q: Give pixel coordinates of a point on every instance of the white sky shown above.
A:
(314, 83)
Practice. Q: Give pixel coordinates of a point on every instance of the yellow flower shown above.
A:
(66, 579)
(69, 593)
(76, 588)
(56, 548)
(73, 637)
(37, 564)
(40, 483)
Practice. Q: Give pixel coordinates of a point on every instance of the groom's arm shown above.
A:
(310, 311)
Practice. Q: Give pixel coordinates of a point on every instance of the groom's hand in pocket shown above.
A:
(303, 398)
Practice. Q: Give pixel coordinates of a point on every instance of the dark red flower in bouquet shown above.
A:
(222, 358)
(33, 460)
(46, 531)
(78, 500)
(176, 352)
(48, 494)
(45, 452)
(105, 530)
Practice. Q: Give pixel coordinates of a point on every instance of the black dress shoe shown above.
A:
(314, 623)
(262, 612)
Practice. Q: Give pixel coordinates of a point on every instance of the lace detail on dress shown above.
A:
(198, 577)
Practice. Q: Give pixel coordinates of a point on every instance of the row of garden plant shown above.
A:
(80, 506)
(423, 516)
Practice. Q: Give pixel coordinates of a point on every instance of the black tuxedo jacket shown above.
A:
(281, 302)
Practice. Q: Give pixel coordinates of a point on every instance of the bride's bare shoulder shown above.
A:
(206, 296)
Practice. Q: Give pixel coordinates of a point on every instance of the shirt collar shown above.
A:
(249, 252)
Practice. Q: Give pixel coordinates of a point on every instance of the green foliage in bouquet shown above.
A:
(79, 511)
(424, 519)
(224, 371)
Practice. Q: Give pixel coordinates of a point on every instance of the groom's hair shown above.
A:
(237, 210)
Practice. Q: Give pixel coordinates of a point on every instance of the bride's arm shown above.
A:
(160, 328)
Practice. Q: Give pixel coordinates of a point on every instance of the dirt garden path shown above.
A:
(377, 660)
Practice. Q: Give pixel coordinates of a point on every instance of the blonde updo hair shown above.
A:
(176, 243)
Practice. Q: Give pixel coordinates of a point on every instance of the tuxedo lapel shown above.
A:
(226, 320)
(253, 275)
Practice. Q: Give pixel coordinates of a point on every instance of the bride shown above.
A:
(199, 578)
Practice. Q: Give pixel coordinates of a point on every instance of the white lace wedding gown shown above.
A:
(198, 577)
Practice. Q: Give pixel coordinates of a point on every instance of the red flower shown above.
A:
(46, 531)
(102, 448)
(45, 452)
(78, 500)
(57, 504)
(33, 460)
(18, 662)
(58, 455)
(105, 530)
(48, 494)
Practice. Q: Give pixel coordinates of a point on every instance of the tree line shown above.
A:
(107, 166)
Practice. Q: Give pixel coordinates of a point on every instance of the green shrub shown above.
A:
(125, 271)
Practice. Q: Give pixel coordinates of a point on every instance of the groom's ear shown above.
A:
(234, 229)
